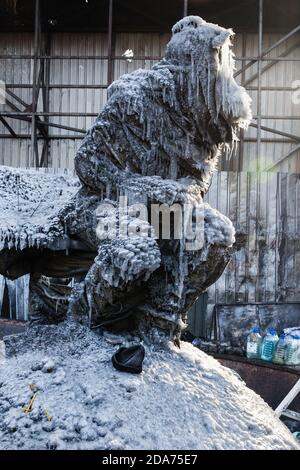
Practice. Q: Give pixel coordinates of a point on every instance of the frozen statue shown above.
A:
(137, 238)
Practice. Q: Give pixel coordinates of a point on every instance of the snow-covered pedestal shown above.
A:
(184, 399)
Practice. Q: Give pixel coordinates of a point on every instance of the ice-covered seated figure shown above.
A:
(157, 141)
(155, 145)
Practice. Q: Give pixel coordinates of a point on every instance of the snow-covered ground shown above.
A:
(184, 399)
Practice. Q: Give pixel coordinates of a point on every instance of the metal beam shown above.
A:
(275, 131)
(61, 126)
(61, 86)
(287, 155)
(10, 129)
(288, 399)
(34, 145)
(271, 48)
(80, 137)
(185, 7)
(271, 64)
(242, 132)
(78, 114)
(104, 87)
(16, 97)
(105, 57)
(258, 143)
(259, 67)
(110, 44)
(46, 101)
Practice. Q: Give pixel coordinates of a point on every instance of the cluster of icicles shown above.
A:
(29, 236)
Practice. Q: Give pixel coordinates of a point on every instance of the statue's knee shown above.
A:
(123, 260)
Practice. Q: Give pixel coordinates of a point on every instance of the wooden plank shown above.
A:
(288, 399)
(291, 414)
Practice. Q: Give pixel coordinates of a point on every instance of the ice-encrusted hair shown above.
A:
(174, 119)
(206, 49)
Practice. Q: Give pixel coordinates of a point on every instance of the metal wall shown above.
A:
(84, 92)
(18, 298)
(264, 208)
(262, 205)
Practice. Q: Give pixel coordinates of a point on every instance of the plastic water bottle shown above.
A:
(296, 358)
(292, 355)
(253, 345)
(280, 350)
(268, 345)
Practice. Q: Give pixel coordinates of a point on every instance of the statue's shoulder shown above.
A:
(142, 81)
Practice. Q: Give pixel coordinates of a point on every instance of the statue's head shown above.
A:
(204, 50)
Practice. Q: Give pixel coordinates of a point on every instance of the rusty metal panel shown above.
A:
(271, 382)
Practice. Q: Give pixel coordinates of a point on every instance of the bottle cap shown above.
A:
(255, 329)
(272, 332)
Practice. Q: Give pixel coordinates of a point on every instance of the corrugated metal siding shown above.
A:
(15, 71)
(18, 292)
(77, 72)
(266, 209)
(94, 72)
(277, 103)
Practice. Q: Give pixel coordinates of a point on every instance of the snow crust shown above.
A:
(30, 201)
(184, 399)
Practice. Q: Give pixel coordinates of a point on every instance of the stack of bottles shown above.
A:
(284, 350)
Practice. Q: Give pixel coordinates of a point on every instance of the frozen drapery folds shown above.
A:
(155, 145)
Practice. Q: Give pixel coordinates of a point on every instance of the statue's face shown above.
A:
(206, 49)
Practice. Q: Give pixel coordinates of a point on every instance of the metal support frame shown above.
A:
(110, 65)
(40, 120)
(282, 408)
(35, 86)
(8, 127)
(259, 66)
(272, 62)
(44, 161)
(270, 49)
(185, 7)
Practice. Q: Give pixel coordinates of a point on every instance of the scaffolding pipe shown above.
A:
(34, 147)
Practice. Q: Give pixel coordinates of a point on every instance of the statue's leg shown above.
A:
(48, 299)
(182, 277)
(188, 269)
(116, 283)
(50, 283)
